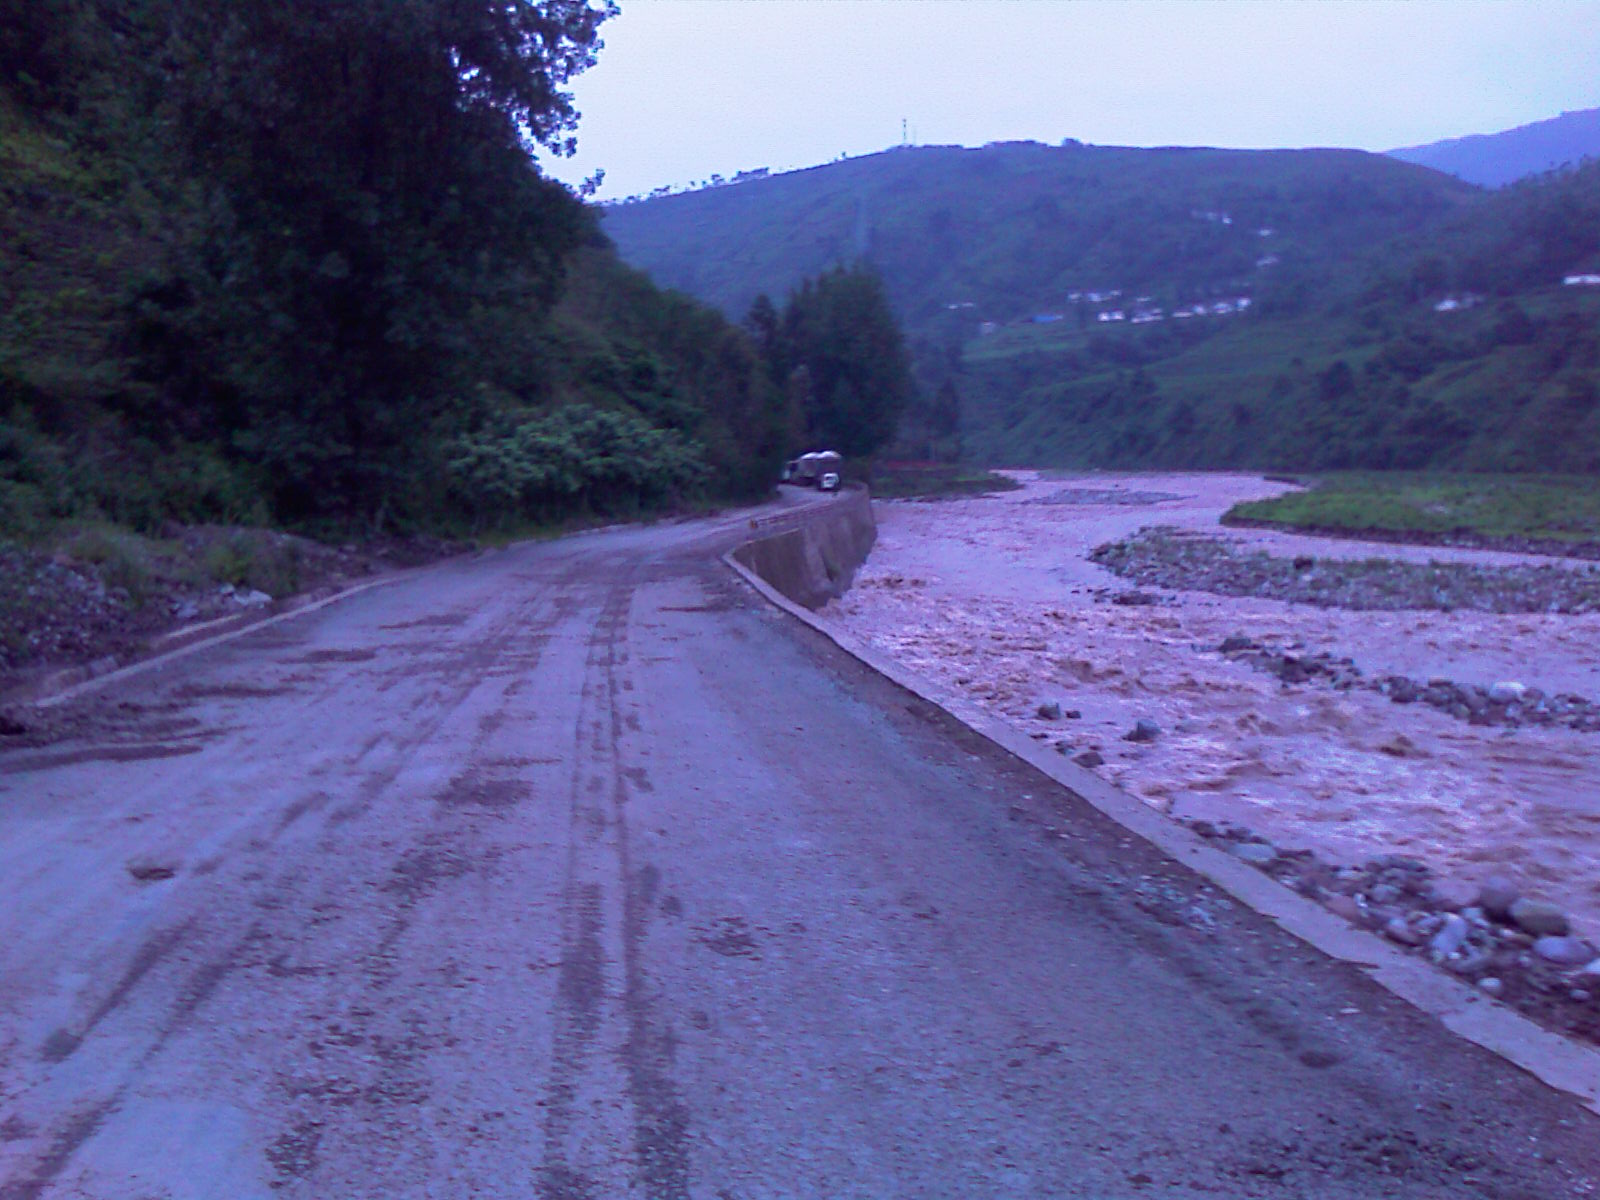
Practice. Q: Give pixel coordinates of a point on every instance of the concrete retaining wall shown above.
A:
(814, 560)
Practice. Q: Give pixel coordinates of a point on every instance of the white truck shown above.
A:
(821, 469)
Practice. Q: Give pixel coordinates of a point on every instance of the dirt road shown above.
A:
(573, 871)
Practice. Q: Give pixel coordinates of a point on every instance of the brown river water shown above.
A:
(994, 601)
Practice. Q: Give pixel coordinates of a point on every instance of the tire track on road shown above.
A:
(607, 902)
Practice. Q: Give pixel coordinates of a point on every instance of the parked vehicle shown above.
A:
(821, 469)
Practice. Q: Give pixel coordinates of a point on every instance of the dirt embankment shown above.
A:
(100, 595)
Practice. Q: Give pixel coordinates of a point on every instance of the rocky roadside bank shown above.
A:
(103, 595)
(1514, 949)
(1182, 560)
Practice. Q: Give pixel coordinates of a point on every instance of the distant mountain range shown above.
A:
(1496, 159)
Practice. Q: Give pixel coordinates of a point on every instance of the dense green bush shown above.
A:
(575, 458)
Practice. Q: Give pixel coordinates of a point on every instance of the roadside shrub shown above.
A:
(119, 561)
(257, 561)
(574, 459)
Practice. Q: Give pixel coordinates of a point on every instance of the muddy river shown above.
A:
(994, 601)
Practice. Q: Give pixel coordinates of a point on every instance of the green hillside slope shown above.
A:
(1012, 229)
(1463, 348)
(1103, 306)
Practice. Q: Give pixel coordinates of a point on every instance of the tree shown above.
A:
(368, 193)
(840, 329)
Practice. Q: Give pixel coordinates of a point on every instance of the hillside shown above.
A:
(1496, 159)
(1464, 348)
(1109, 307)
(963, 236)
(232, 292)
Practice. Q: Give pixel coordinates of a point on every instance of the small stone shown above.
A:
(1470, 961)
(1539, 919)
(1400, 746)
(1497, 895)
(1579, 996)
(1491, 985)
(148, 871)
(1071, 714)
(1508, 692)
(1396, 929)
(1143, 731)
(1592, 971)
(1258, 854)
(1564, 951)
(1049, 712)
(1089, 758)
(1384, 893)
(1236, 644)
(1451, 937)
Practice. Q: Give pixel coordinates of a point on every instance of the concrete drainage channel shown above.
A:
(800, 567)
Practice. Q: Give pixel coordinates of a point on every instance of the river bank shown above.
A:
(997, 601)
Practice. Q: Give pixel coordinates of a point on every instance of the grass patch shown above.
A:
(260, 562)
(1487, 509)
(122, 559)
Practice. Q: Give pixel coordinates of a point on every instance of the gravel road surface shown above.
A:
(574, 871)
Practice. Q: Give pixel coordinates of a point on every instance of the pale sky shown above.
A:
(688, 88)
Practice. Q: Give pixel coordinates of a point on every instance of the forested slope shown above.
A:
(257, 268)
